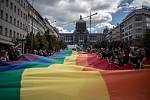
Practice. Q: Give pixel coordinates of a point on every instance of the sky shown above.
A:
(64, 13)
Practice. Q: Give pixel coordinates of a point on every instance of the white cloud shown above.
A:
(64, 11)
(62, 30)
(100, 27)
(93, 30)
(140, 3)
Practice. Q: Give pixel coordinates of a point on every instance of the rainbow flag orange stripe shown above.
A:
(70, 76)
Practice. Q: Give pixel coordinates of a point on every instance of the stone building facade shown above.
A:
(132, 28)
(19, 18)
(81, 36)
(13, 21)
(135, 25)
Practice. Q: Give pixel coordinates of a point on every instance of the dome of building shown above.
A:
(81, 25)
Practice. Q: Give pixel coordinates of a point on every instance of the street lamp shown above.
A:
(32, 28)
(91, 19)
(22, 44)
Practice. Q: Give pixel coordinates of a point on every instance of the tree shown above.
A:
(32, 42)
(116, 44)
(43, 43)
(36, 43)
(28, 41)
(62, 44)
(103, 44)
(50, 39)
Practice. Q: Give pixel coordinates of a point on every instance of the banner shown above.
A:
(71, 76)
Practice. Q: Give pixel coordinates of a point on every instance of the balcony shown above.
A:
(6, 40)
(2, 37)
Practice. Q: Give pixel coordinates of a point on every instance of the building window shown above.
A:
(6, 16)
(138, 30)
(130, 27)
(24, 6)
(26, 28)
(18, 23)
(17, 35)
(139, 18)
(6, 31)
(10, 33)
(21, 25)
(14, 35)
(126, 28)
(26, 17)
(18, 11)
(126, 34)
(21, 13)
(129, 33)
(126, 39)
(148, 25)
(138, 36)
(15, 21)
(15, 9)
(1, 14)
(20, 36)
(1, 30)
(7, 3)
(138, 24)
(11, 6)
(130, 37)
(11, 19)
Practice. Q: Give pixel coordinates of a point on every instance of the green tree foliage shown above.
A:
(43, 43)
(28, 41)
(113, 44)
(116, 44)
(62, 45)
(46, 41)
(36, 43)
(53, 42)
(102, 44)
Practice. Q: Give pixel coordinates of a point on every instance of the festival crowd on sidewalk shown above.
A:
(139, 57)
(13, 54)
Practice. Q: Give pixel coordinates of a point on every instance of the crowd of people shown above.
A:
(10, 54)
(44, 52)
(13, 54)
(139, 57)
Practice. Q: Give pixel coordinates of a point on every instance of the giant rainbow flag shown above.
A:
(70, 75)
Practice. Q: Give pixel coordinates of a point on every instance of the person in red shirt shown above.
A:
(146, 60)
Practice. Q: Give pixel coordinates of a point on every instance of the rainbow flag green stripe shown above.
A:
(71, 76)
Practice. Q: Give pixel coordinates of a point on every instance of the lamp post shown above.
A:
(91, 19)
(32, 27)
(22, 44)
